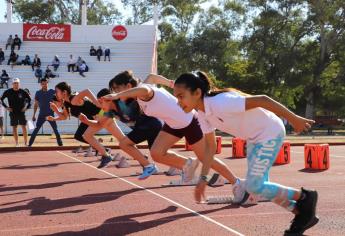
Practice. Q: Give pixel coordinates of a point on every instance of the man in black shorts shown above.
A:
(18, 102)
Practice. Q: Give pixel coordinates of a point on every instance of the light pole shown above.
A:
(83, 12)
(9, 11)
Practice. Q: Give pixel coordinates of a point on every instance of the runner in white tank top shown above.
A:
(161, 104)
(252, 118)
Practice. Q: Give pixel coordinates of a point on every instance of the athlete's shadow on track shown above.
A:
(46, 206)
(49, 185)
(124, 225)
(20, 167)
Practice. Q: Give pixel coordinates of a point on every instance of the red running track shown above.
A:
(59, 193)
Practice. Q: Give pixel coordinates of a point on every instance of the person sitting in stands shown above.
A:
(4, 79)
(36, 62)
(93, 51)
(107, 54)
(26, 61)
(16, 42)
(83, 68)
(49, 74)
(2, 56)
(71, 64)
(39, 74)
(9, 42)
(13, 59)
(56, 62)
(99, 53)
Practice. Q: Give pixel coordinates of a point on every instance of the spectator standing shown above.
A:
(2, 56)
(38, 74)
(107, 54)
(43, 98)
(56, 62)
(93, 51)
(4, 78)
(71, 64)
(99, 53)
(16, 42)
(26, 61)
(9, 41)
(36, 62)
(18, 102)
(2, 115)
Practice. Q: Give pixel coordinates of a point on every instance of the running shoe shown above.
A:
(189, 169)
(148, 171)
(306, 218)
(105, 161)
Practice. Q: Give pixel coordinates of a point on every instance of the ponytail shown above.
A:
(124, 78)
(200, 80)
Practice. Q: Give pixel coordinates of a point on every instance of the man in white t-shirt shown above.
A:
(2, 114)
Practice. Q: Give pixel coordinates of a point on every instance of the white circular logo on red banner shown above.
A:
(119, 32)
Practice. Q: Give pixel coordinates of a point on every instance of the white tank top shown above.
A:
(163, 106)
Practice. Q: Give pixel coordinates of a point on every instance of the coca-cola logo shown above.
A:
(46, 32)
(49, 34)
(119, 32)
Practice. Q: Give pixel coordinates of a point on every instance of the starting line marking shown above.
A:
(158, 195)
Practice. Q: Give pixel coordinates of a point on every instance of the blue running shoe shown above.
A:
(148, 171)
(104, 161)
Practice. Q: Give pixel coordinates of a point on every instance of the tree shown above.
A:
(65, 11)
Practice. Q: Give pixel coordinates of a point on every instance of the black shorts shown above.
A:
(17, 118)
(146, 129)
(192, 132)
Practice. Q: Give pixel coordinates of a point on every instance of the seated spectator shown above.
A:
(71, 64)
(39, 74)
(107, 54)
(13, 59)
(4, 78)
(78, 63)
(93, 51)
(56, 62)
(9, 41)
(99, 53)
(83, 68)
(49, 74)
(36, 62)
(16, 42)
(26, 61)
(2, 56)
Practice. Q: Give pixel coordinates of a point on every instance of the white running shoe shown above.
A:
(239, 192)
(89, 152)
(189, 169)
(123, 163)
(173, 171)
(117, 157)
(78, 150)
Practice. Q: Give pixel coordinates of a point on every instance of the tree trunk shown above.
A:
(310, 107)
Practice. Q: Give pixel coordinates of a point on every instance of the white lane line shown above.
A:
(158, 195)
(330, 155)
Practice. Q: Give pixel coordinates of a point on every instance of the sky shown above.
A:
(116, 2)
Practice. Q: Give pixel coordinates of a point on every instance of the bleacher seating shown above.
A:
(135, 53)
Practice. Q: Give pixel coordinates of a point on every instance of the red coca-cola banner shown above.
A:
(47, 32)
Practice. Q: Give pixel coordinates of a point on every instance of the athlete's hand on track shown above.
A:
(199, 192)
(301, 124)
